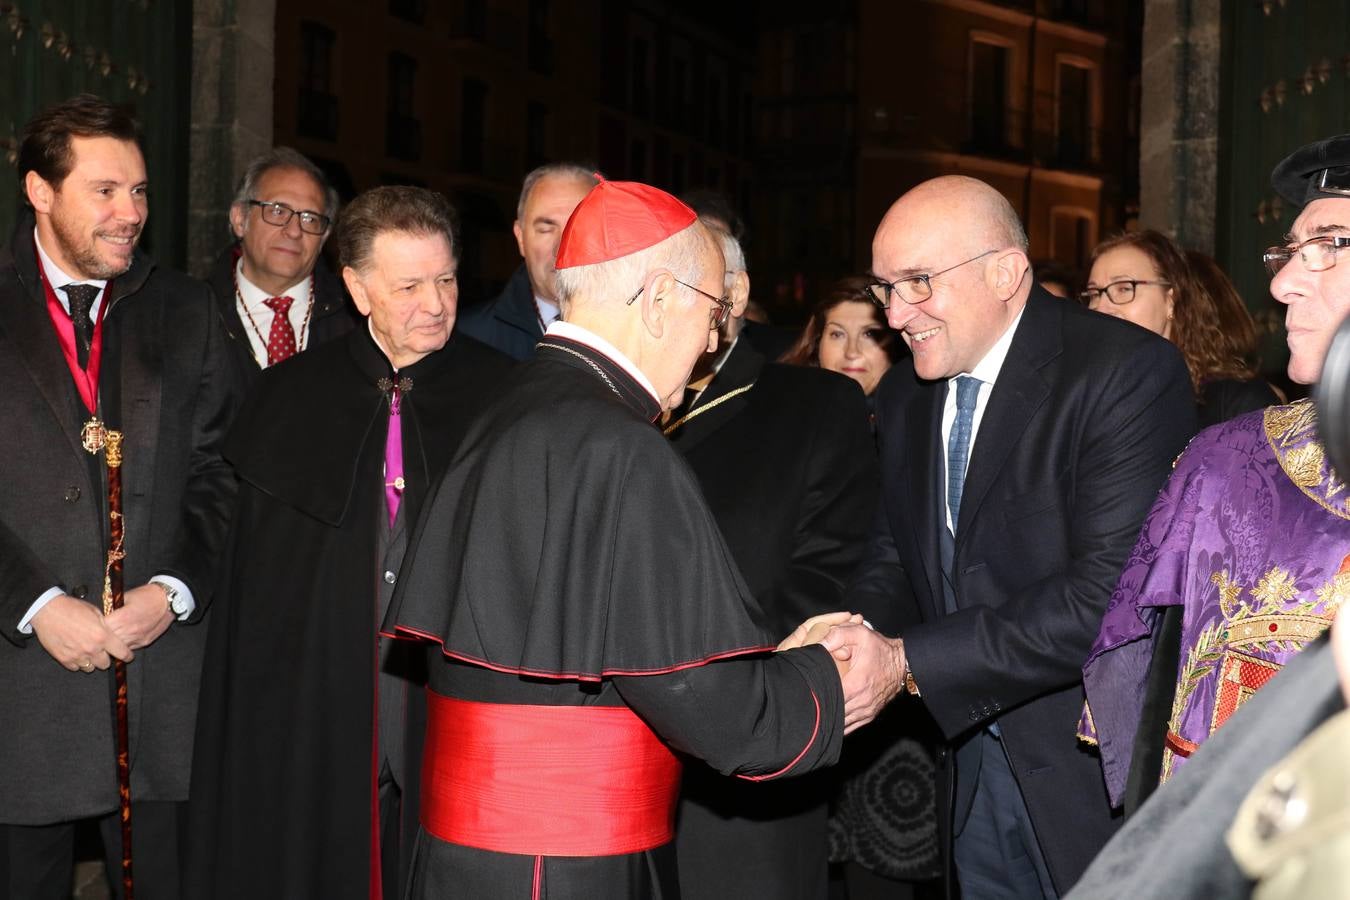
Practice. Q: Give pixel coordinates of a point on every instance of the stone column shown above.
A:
(1179, 120)
(231, 117)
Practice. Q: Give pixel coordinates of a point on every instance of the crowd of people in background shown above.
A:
(577, 591)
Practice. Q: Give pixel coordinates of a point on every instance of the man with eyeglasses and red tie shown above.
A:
(1251, 536)
(276, 295)
(1021, 447)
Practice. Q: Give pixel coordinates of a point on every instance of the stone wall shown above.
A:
(233, 59)
(1179, 120)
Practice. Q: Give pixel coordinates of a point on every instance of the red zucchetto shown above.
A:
(618, 218)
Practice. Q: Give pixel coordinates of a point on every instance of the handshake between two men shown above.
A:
(871, 666)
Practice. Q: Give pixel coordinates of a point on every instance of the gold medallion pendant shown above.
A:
(93, 435)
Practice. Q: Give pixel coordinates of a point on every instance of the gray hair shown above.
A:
(1007, 226)
(731, 248)
(682, 253)
(285, 158)
(401, 208)
(552, 170)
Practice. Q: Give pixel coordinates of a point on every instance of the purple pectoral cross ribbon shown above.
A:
(393, 457)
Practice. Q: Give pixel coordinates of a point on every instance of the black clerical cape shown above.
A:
(282, 780)
(567, 559)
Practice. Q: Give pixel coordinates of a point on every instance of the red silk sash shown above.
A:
(546, 780)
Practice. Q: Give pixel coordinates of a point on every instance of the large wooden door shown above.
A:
(137, 52)
(1286, 81)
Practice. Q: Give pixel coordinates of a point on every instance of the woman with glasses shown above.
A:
(1145, 278)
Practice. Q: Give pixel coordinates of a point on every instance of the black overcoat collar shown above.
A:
(586, 358)
(740, 369)
(28, 321)
(302, 434)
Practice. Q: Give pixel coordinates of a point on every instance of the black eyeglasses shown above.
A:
(912, 288)
(720, 313)
(1318, 254)
(279, 214)
(1118, 292)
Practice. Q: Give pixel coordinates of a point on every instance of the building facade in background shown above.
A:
(466, 96)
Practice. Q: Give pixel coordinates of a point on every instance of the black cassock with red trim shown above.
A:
(583, 612)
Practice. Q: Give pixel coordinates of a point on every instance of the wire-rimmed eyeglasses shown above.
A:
(913, 288)
(1318, 253)
(720, 312)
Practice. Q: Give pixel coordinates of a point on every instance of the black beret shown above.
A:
(1319, 169)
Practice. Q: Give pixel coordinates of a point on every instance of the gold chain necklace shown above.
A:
(304, 326)
(695, 413)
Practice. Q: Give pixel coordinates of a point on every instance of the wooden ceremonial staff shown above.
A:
(112, 599)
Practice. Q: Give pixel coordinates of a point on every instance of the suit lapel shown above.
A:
(741, 367)
(34, 339)
(924, 436)
(1020, 390)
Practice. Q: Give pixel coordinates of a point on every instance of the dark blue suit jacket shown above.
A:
(508, 322)
(1079, 433)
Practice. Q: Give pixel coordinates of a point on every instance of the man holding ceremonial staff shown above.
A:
(93, 336)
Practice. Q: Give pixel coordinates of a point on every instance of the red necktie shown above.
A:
(281, 337)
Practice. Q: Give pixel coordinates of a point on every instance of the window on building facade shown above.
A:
(409, 10)
(536, 134)
(640, 88)
(539, 46)
(472, 124)
(318, 111)
(403, 132)
(1073, 234)
(1073, 114)
(988, 92)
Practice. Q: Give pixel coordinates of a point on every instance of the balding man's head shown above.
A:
(955, 254)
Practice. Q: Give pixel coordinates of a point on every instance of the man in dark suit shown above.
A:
(276, 295)
(786, 462)
(93, 334)
(514, 321)
(1069, 421)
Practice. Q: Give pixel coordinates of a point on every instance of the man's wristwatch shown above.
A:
(911, 687)
(177, 602)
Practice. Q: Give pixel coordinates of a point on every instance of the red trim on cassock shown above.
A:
(537, 891)
(815, 730)
(404, 633)
(546, 780)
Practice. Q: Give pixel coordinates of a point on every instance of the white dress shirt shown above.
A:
(548, 311)
(986, 370)
(251, 304)
(58, 279)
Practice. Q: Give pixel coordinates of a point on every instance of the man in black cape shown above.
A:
(588, 619)
(301, 756)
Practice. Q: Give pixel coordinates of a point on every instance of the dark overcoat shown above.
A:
(789, 471)
(164, 354)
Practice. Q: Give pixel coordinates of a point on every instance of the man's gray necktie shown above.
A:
(81, 302)
(958, 443)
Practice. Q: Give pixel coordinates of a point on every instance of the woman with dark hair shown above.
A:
(847, 333)
(1145, 278)
(883, 817)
